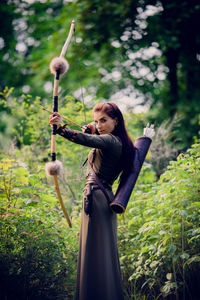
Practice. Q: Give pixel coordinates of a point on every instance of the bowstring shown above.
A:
(79, 78)
(80, 174)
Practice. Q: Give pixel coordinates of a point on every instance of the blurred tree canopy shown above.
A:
(146, 51)
(144, 47)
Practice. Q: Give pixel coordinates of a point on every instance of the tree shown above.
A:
(122, 31)
(144, 46)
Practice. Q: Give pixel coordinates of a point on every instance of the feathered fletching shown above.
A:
(59, 64)
(53, 168)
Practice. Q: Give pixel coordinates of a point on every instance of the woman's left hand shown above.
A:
(55, 119)
(149, 131)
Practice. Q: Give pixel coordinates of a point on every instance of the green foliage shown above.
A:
(37, 250)
(31, 134)
(166, 145)
(159, 235)
(153, 46)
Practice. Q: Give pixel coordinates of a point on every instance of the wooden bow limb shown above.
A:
(61, 201)
(58, 66)
(67, 42)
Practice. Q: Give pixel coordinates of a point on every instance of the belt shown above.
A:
(91, 179)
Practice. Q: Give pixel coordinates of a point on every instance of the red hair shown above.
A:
(128, 150)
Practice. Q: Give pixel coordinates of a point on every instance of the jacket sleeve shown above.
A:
(103, 142)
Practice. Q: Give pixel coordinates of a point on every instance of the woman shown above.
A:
(98, 273)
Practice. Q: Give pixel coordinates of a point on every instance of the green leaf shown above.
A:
(185, 256)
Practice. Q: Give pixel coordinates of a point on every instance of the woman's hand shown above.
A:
(149, 131)
(55, 119)
(91, 128)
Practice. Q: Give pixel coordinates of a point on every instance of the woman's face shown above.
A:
(104, 123)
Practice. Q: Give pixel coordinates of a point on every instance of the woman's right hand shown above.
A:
(91, 128)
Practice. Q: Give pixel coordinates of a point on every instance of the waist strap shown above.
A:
(92, 177)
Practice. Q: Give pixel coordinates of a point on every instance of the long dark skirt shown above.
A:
(98, 272)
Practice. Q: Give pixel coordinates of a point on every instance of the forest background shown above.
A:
(143, 55)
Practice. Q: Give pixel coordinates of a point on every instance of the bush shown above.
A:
(38, 252)
(160, 235)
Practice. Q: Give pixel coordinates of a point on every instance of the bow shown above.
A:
(58, 66)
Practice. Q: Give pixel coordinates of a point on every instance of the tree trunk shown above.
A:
(171, 61)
